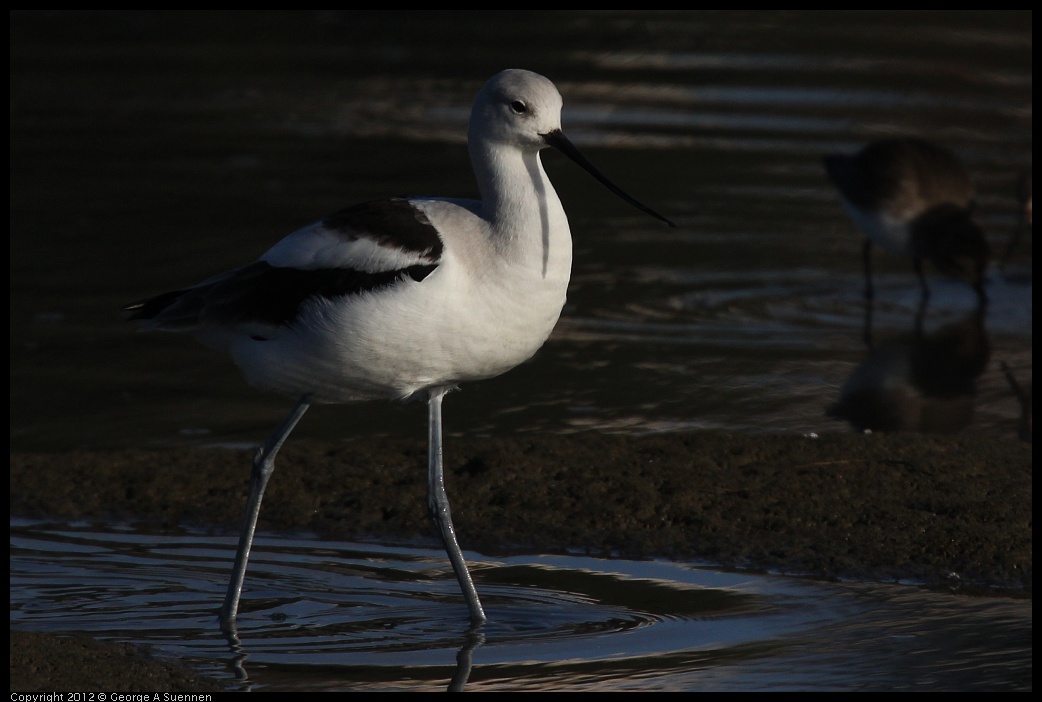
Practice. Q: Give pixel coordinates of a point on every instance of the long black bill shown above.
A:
(559, 141)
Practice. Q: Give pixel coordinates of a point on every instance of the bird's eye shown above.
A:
(519, 107)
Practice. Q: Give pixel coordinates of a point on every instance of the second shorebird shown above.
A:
(915, 199)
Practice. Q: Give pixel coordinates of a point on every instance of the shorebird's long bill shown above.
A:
(559, 141)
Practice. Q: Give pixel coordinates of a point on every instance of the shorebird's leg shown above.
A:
(867, 334)
(263, 467)
(438, 506)
(866, 256)
(1024, 225)
(978, 285)
(917, 264)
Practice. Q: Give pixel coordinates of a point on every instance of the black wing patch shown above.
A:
(262, 294)
(392, 223)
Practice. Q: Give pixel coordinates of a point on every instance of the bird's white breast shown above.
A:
(884, 230)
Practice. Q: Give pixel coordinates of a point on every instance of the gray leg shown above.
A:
(438, 507)
(917, 264)
(866, 256)
(978, 285)
(263, 467)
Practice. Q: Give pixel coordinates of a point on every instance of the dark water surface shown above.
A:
(150, 150)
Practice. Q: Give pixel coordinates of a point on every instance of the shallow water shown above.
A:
(330, 615)
(151, 150)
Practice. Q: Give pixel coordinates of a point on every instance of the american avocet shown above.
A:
(403, 297)
(914, 199)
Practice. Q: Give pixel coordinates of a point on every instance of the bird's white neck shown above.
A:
(526, 218)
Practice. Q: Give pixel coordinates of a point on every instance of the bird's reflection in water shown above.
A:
(464, 659)
(471, 641)
(1023, 396)
(917, 382)
(237, 663)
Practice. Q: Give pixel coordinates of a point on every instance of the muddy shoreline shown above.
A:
(947, 512)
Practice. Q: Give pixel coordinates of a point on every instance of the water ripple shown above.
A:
(321, 614)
